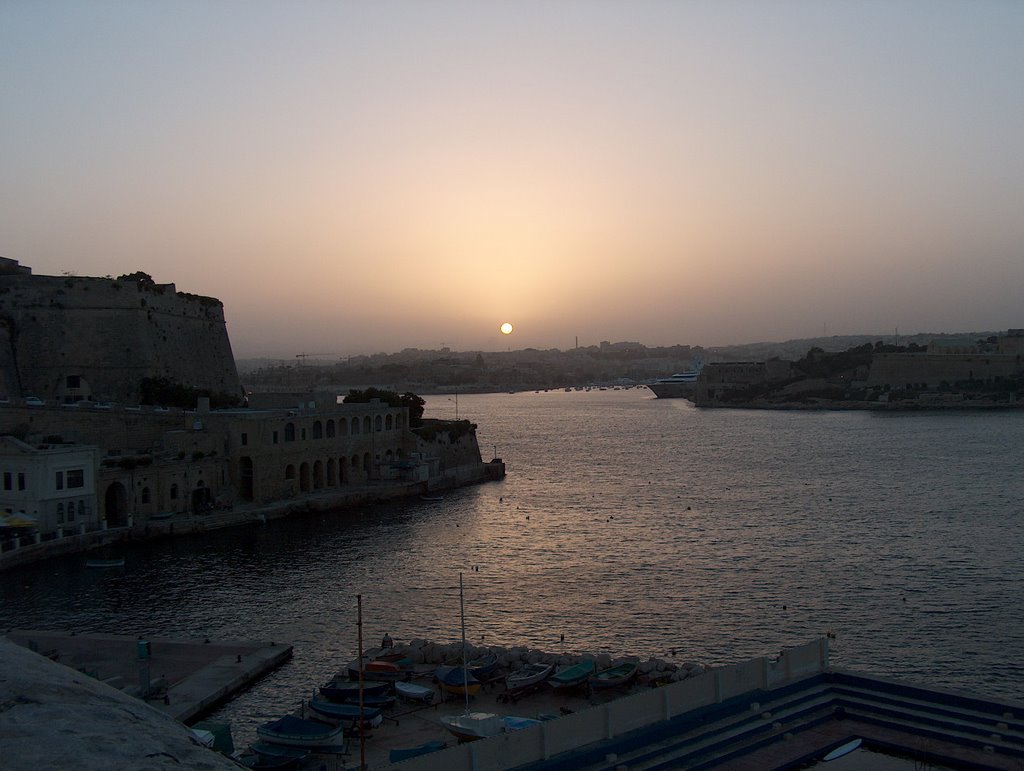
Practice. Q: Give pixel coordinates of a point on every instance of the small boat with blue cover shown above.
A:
(399, 754)
(342, 690)
(294, 731)
(457, 680)
(348, 713)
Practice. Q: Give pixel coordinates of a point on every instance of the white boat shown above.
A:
(529, 675)
(678, 386)
(419, 694)
(469, 726)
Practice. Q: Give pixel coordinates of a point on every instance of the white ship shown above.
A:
(678, 386)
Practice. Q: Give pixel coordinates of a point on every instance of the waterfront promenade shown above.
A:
(29, 549)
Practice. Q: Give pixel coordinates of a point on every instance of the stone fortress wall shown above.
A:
(64, 338)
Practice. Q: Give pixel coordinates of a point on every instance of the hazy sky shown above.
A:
(356, 177)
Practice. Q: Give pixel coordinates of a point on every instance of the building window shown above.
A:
(8, 481)
(174, 492)
(71, 511)
(245, 439)
(60, 512)
(145, 495)
(81, 509)
(274, 440)
(289, 471)
(21, 480)
(76, 478)
(59, 481)
(289, 432)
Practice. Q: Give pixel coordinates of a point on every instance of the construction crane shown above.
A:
(303, 356)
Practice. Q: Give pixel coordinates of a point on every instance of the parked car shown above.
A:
(101, 405)
(33, 401)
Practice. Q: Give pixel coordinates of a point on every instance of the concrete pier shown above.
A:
(181, 678)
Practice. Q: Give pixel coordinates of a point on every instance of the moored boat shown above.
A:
(418, 694)
(473, 725)
(513, 723)
(294, 731)
(275, 756)
(483, 667)
(457, 680)
(111, 563)
(398, 754)
(531, 674)
(574, 675)
(340, 690)
(379, 700)
(381, 668)
(614, 676)
(348, 713)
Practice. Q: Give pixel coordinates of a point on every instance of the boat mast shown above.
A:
(465, 664)
(362, 728)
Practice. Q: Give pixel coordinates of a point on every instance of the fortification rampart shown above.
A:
(933, 370)
(67, 337)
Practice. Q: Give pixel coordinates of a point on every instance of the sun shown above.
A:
(506, 328)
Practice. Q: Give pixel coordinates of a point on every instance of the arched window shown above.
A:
(145, 495)
(330, 429)
(289, 471)
(355, 425)
(389, 422)
(318, 430)
(366, 424)
(174, 491)
(60, 512)
(378, 423)
(366, 461)
(289, 432)
(81, 509)
(343, 427)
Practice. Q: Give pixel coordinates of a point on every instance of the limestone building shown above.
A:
(82, 348)
(72, 338)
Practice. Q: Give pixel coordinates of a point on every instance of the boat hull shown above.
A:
(473, 725)
(528, 676)
(456, 680)
(573, 676)
(418, 694)
(614, 677)
(293, 731)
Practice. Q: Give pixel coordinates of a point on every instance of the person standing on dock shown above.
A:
(387, 642)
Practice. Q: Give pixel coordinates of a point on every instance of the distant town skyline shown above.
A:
(358, 178)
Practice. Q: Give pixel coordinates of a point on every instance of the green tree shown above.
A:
(391, 398)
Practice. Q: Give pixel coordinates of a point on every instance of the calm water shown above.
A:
(630, 525)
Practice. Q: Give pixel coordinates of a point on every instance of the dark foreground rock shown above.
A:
(52, 716)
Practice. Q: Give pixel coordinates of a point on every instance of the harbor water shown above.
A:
(626, 525)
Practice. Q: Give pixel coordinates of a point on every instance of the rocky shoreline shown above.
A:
(424, 652)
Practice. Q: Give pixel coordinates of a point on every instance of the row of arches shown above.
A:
(318, 474)
(356, 425)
